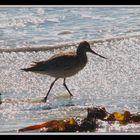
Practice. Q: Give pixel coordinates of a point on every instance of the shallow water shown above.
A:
(21, 27)
(112, 83)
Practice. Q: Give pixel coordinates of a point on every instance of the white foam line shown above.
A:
(66, 45)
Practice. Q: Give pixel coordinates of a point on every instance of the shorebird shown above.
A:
(63, 65)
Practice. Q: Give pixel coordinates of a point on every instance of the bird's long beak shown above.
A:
(97, 54)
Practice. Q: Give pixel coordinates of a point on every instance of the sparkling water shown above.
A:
(113, 83)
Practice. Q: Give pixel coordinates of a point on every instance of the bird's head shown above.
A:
(84, 46)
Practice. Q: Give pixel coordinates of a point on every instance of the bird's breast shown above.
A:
(74, 70)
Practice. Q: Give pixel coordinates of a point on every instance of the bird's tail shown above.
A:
(26, 69)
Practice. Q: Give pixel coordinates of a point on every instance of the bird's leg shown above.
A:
(45, 99)
(64, 83)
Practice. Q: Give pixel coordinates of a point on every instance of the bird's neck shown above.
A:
(82, 56)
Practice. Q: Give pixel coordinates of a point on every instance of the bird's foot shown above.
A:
(44, 100)
(71, 96)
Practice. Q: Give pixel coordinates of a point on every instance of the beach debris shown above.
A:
(97, 112)
(122, 117)
(66, 125)
(87, 124)
(135, 117)
(54, 126)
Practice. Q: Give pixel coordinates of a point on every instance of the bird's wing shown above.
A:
(59, 61)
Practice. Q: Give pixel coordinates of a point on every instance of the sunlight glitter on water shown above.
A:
(113, 83)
